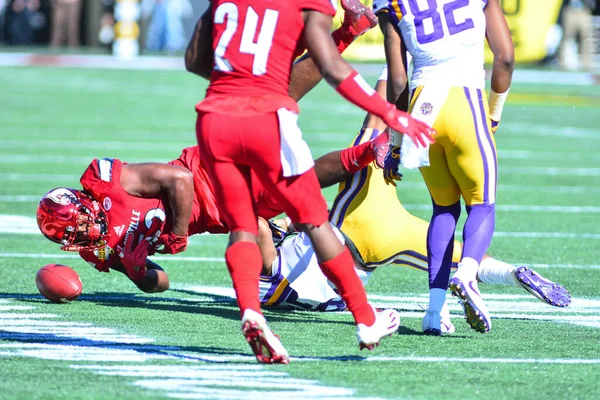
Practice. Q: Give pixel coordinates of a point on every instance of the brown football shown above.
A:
(58, 283)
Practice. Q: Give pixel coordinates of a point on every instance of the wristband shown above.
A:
(496, 103)
(357, 91)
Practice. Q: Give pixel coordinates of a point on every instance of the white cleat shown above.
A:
(265, 345)
(386, 323)
(446, 324)
(476, 313)
(432, 323)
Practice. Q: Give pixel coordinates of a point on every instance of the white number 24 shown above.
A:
(260, 49)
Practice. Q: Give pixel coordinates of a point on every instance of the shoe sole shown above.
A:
(475, 318)
(358, 8)
(262, 349)
(547, 291)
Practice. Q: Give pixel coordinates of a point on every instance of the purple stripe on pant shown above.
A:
(486, 172)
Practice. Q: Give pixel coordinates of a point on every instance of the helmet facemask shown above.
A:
(62, 213)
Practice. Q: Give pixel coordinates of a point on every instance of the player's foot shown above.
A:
(264, 343)
(380, 147)
(542, 288)
(386, 323)
(437, 324)
(446, 324)
(358, 18)
(432, 323)
(475, 310)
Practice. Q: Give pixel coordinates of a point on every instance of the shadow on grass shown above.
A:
(206, 304)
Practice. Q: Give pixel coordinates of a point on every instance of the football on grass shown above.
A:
(58, 283)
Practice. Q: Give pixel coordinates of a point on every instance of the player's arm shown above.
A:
(304, 77)
(174, 183)
(339, 74)
(501, 44)
(266, 245)
(156, 279)
(199, 52)
(395, 55)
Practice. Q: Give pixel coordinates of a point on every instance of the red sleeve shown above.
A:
(189, 159)
(101, 175)
(324, 6)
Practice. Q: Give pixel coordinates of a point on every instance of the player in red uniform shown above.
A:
(124, 213)
(247, 122)
(78, 220)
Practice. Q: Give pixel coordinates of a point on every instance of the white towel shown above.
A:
(296, 157)
(426, 109)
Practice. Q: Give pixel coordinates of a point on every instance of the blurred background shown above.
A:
(561, 34)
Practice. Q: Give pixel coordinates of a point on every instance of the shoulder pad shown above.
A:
(105, 166)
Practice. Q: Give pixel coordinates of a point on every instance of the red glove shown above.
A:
(134, 259)
(400, 121)
(172, 243)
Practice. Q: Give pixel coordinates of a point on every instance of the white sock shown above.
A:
(496, 272)
(437, 298)
(467, 269)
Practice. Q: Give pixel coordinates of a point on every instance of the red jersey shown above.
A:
(255, 43)
(126, 214)
(205, 214)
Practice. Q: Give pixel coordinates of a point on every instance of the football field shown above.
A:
(117, 342)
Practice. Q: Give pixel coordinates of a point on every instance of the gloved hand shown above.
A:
(400, 121)
(170, 243)
(391, 165)
(494, 126)
(134, 259)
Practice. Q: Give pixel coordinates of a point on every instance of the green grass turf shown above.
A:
(54, 121)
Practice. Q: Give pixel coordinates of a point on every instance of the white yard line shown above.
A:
(64, 256)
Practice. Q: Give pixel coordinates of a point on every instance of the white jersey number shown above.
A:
(259, 49)
(432, 13)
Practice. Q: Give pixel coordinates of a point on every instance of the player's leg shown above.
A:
(301, 198)
(243, 257)
(473, 163)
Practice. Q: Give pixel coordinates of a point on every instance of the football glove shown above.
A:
(278, 233)
(419, 132)
(494, 126)
(134, 259)
(170, 243)
(391, 165)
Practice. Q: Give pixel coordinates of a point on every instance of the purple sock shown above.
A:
(478, 230)
(440, 244)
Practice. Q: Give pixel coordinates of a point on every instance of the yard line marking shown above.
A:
(18, 224)
(70, 341)
(570, 132)
(523, 208)
(543, 155)
(63, 160)
(98, 146)
(523, 188)
(33, 177)
(220, 259)
(485, 360)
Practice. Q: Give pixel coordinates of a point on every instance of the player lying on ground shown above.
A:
(123, 203)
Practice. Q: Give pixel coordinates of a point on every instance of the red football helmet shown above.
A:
(60, 213)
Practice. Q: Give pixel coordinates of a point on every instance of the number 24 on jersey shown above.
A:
(228, 13)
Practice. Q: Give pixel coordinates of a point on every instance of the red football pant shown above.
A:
(233, 146)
